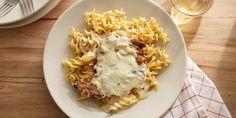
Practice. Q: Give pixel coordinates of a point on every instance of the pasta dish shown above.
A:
(116, 61)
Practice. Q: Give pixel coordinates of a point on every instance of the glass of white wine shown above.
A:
(183, 11)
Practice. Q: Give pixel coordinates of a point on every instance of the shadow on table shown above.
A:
(226, 71)
(232, 37)
(165, 4)
(189, 30)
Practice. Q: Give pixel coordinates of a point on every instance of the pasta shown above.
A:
(80, 69)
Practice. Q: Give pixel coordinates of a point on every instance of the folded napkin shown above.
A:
(199, 97)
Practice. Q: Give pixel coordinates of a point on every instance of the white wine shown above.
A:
(184, 11)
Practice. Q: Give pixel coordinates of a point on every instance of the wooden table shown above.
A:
(210, 41)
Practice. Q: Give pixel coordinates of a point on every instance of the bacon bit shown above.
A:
(140, 59)
(140, 44)
(139, 50)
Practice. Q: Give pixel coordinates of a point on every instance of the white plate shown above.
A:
(16, 14)
(170, 80)
(37, 15)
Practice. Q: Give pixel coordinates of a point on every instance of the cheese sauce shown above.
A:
(117, 71)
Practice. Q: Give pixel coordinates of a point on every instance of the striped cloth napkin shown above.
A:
(199, 97)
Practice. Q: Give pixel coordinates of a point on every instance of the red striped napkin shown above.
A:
(199, 97)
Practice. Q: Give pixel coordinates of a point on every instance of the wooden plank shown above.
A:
(21, 54)
(206, 43)
(27, 100)
(30, 36)
(19, 80)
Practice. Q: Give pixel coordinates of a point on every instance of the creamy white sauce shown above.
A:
(117, 71)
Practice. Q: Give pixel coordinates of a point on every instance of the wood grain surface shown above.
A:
(210, 41)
